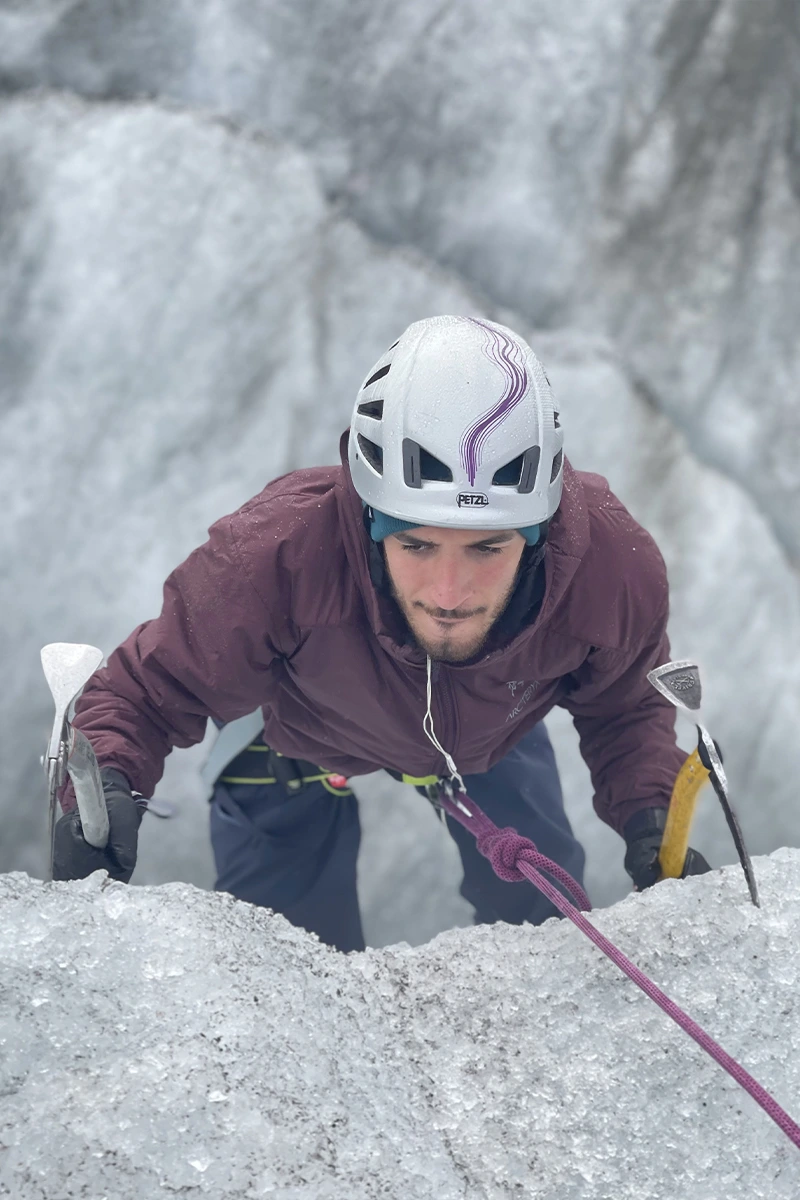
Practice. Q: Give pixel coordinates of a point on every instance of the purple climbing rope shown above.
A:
(514, 857)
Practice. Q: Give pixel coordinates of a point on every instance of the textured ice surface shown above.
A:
(163, 1041)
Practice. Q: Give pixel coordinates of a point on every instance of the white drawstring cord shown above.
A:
(430, 733)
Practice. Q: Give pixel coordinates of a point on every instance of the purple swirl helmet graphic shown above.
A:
(508, 355)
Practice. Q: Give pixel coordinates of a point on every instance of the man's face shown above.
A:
(452, 584)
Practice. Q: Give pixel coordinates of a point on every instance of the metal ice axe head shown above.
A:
(67, 667)
(680, 682)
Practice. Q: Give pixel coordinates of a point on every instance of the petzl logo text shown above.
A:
(472, 500)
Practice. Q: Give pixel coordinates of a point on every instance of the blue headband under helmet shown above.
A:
(381, 526)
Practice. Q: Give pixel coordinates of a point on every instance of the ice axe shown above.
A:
(67, 667)
(679, 682)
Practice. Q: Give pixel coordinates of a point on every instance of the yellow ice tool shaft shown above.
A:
(675, 842)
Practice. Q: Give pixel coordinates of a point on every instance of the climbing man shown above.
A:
(420, 609)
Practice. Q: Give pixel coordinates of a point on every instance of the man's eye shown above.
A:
(413, 547)
(489, 549)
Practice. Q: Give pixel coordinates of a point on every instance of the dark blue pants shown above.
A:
(296, 854)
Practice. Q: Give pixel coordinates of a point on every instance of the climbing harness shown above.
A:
(260, 764)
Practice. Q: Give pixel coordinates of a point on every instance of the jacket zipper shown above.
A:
(449, 733)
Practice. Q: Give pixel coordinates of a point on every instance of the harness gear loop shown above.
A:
(260, 764)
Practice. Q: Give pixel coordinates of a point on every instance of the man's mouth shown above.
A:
(450, 620)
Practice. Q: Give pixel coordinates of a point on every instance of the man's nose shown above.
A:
(451, 587)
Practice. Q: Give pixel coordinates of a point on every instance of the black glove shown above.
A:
(74, 858)
(643, 835)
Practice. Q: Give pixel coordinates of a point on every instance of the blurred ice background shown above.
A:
(216, 214)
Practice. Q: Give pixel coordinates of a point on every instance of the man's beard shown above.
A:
(449, 648)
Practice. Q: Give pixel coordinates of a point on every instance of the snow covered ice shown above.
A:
(172, 1041)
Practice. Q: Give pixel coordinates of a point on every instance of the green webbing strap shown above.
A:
(271, 779)
(413, 780)
(246, 779)
(260, 748)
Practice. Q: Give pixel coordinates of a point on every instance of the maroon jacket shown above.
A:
(278, 610)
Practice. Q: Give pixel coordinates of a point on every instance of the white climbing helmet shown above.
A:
(456, 426)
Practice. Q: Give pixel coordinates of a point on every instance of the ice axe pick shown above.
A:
(679, 682)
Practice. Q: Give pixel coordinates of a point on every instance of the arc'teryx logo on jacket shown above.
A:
(523, 700)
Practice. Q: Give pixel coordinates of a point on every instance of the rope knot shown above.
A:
(504, 848)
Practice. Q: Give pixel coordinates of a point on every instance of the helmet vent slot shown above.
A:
(556, 466)
(372, 453)
(371, 408)
(419, 465)
(520, 473)
(556, 420)
(378, 375)
(434, 468)
(509, 475)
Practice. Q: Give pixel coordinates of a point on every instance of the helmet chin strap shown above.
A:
(430, 733)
